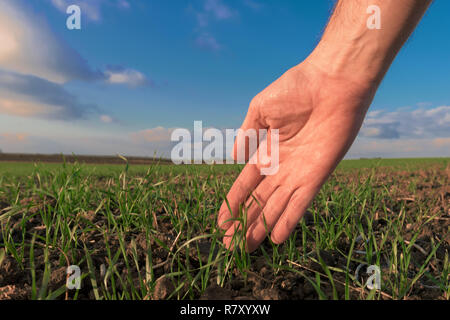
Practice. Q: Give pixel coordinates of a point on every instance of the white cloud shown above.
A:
(30, 96)
(158, 134)
(35, 63)
(22, 35)
(399, 148)
(158, 139)
(218, 9)
(404, 133)
(420, 123)
(28, 46)
(106, 119)
(130, 77)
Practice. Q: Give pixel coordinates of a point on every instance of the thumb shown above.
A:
(247, 138)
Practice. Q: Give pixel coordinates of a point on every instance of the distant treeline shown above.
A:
(60, 158)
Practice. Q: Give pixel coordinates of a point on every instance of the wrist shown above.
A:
(358, 61)
(350, 49)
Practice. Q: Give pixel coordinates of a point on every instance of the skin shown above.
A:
(318, 107)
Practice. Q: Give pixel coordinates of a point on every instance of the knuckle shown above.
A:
(256, 104)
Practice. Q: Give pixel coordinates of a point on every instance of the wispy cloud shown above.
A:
(124, 4)
(7, 137)
(105, 118)
(157, 140)
(419, 123)
(399, 148)
(31, 96)
(442, 142)
(150, 142)
(207, 41)
(404, 133)
(122, 75)
(254, 4)
(218, 9)
(211, 10)
(32, 75)
(158, 134)
(22, 49)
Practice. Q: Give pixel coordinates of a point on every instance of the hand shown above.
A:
(318, 108)
(318, 116)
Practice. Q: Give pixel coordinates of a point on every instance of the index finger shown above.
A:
(247, 181)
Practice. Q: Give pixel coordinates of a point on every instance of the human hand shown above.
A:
(318, 116)
(318, 108)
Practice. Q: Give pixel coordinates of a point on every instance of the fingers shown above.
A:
(233, 236)
(267, 218)
(247, 139)
(258, 199)
(294, 211)
(279, 216)
(252, 209)
(247, 181)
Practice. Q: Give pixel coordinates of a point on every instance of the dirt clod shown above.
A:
(163, 288)
(214, 292)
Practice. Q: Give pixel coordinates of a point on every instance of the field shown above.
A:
(149, 232)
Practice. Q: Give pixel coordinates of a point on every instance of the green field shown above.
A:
(149, 232)
(17, 169)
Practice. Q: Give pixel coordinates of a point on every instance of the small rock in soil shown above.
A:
(163, 288)
(268, 294)
(58, 278)
(12, 292)
(287, 284)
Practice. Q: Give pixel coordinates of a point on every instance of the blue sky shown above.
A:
(138, 69)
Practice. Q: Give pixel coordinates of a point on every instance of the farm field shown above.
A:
(148, 231)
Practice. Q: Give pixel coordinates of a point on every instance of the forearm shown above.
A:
(350, 49)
